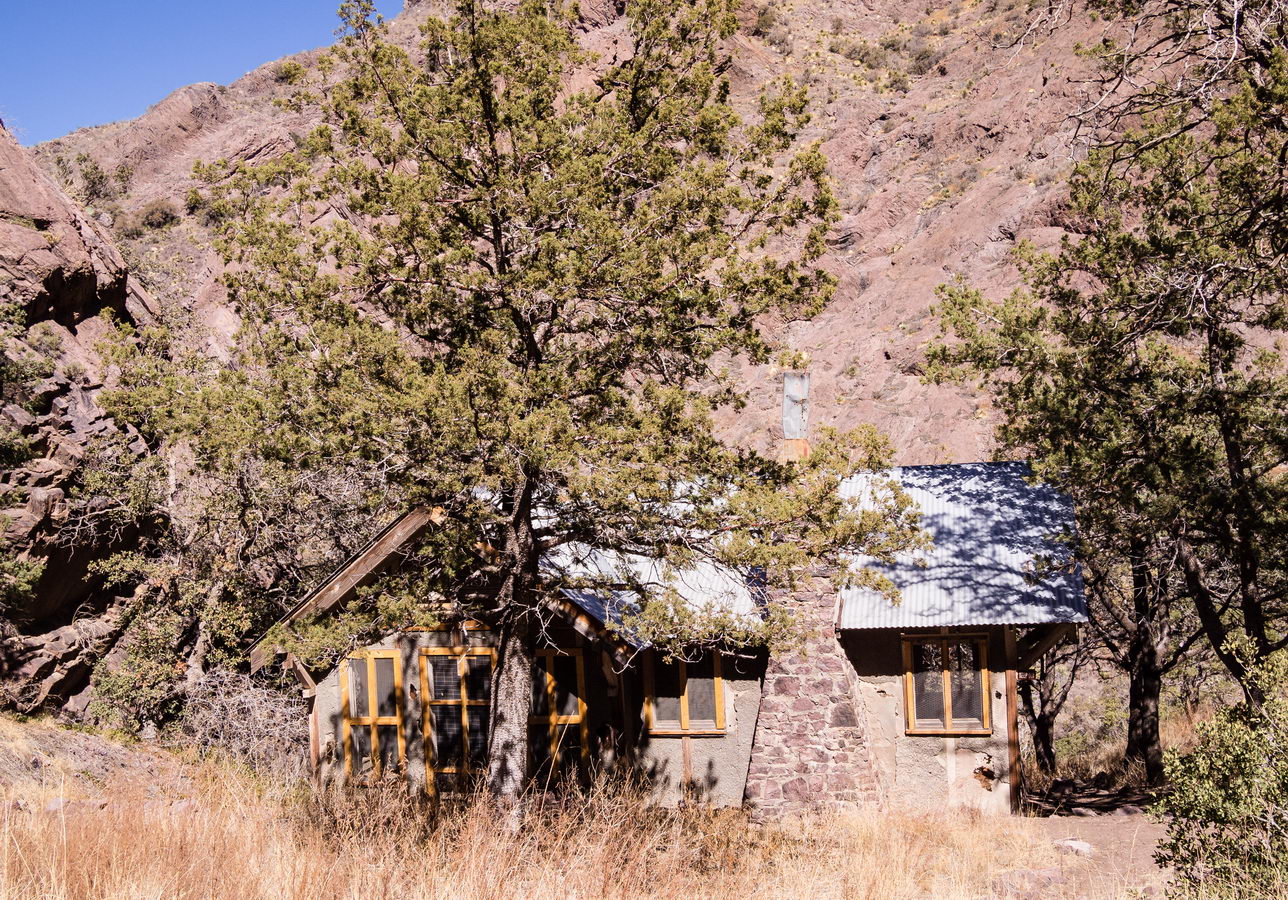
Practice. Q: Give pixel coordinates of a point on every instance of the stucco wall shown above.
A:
(929, 771)
(716, 764)
(821, 727)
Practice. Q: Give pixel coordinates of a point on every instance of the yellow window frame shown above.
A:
(909, 686)
(650, 698)
(371, 721)
(463, 702)
(552, 720)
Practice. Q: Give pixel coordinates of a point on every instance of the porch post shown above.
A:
(1013, 720)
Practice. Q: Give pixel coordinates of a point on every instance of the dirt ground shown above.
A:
(1121, 863)
(1120, 836)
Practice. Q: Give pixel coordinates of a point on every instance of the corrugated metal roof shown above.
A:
(997, 560)
(614, 583)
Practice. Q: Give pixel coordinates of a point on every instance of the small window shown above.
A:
(557, 723)
(371, 693)
(684, 696)
(946, 685)
(456, 687)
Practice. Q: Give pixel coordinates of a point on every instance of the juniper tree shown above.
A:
(1143, 369)
(514, 276)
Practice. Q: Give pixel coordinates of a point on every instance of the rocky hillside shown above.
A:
(949, 142)
(949, 138)
(66, 272)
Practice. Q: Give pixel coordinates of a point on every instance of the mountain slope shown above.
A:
(947, 140)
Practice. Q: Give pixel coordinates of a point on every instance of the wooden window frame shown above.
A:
(372, 720)
(650, 700)
(909, 687)
(464, 703)
(553, 720)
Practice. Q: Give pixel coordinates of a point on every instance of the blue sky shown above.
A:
(65, 64)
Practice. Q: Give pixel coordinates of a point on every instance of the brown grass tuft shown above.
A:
(242, 837)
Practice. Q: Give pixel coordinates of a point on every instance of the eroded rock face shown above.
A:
(61, 265)
(65, 271)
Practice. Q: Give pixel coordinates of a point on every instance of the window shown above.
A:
(683, 697)
(557, 725)
(946, 685)
(371, 695)
(456, 690)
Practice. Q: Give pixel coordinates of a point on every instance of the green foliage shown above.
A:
(18, 579)
(141, 686)
(525, 313)
(1227, 810)
(290, 72)
(194, 201)
(95, 184)
(1142, 368)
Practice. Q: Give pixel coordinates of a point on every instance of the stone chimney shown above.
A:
(795, 416)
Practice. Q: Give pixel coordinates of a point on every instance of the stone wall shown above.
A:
(811, 749)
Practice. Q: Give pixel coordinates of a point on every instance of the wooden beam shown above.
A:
(358, 570)
(307, 685)
(1038, 641)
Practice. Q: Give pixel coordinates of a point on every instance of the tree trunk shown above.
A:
(1041, 728)
(512, 681)
(508, 749)
(1146, 685)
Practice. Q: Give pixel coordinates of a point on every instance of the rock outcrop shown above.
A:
(65, 272)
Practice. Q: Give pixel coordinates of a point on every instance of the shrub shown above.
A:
(780, 39)
(289, 72)
(228, 713)
(158, 214)
(95, 183)
(766, 19)
(194, 201)
(1227, 812)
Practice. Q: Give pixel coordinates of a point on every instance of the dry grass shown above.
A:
(239, 837)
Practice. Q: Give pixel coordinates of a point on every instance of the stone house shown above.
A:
(913, 704)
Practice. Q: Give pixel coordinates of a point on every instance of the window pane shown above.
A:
(386, 699)
(539, 748)
(540, 705)
(478, 736)
(360, 754)
(358, 688)
(388, 735)
(966, 684)
(666, 693)
(444, 678)
(566, 686)
(447, 736)
(702, 693)
(928, 684)
(569, 747)
(478, 677)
